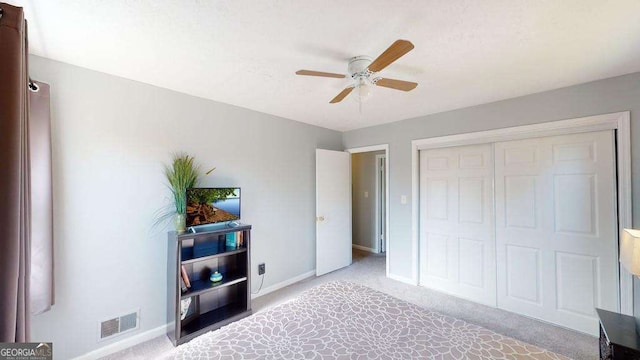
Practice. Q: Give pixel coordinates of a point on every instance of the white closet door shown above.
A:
(556, 233)
(457, 245)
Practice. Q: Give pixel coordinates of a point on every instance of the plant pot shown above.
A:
(179, 221)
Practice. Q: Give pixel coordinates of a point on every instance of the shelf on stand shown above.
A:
(202, 286)
(229, 251)
(212, 317)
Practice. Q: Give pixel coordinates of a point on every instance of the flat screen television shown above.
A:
(212, 205)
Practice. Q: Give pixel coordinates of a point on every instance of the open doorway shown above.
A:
(369, 183)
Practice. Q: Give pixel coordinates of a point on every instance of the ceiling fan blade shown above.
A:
(396, 84)
(393, 53)
(342, 95)
(319, 73)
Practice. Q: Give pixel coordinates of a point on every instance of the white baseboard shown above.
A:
(364, 248)
(403, 279)
(282, 284)
(124, 343)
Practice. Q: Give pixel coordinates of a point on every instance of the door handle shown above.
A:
(319, 218)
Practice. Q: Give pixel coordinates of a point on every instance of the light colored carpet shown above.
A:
(344, 320)
(369, 270)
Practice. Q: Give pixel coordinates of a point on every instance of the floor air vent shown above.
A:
(119, 325)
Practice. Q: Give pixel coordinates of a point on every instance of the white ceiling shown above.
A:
(245, 52)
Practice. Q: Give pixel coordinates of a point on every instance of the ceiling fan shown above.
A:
(364, 72)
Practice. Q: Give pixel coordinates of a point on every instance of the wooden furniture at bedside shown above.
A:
(618, 337)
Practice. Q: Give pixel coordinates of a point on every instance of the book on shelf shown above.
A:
(185, 277)
(187, 310)
(240, 238)
(183, 287)
(231, 240)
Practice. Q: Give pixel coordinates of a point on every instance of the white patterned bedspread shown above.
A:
(343, 320)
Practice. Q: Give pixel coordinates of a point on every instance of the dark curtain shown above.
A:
(14, 179)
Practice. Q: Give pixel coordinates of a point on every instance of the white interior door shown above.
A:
(556, 228)
(457, 245)
(333, 210)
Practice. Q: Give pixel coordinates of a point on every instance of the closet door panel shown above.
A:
(457, 245)
(556, 228)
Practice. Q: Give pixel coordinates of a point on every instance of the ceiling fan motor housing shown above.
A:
(358, 67)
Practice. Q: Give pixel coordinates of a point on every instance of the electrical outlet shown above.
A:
(261, 269)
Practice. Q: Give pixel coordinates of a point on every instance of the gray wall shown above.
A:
(110, 139)
(599, 97)
(363, 173)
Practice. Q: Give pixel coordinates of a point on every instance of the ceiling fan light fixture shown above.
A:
(363, 91)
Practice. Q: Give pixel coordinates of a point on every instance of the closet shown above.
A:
(528, 226)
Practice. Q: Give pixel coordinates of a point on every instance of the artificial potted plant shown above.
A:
(181, 175)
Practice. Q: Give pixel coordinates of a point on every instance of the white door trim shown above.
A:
(378, 199)
(384, 147)
(615, 121)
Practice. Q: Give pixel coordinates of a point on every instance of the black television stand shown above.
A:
(211, 304)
